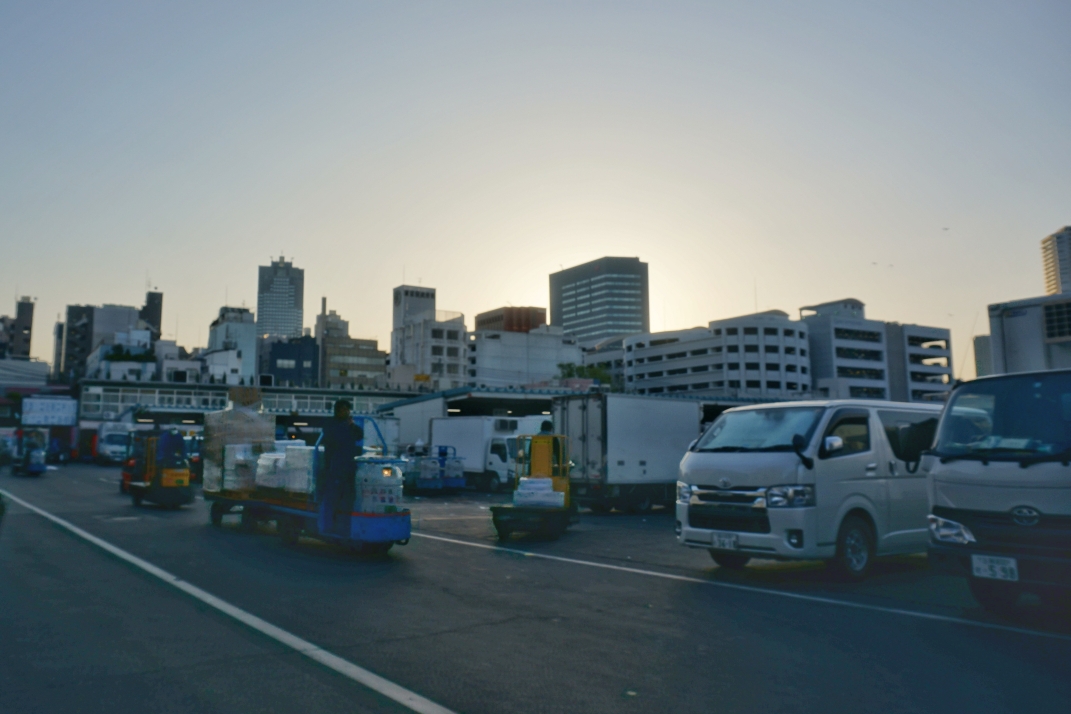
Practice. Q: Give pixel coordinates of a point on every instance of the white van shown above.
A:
(1000, 487)
(831, 479)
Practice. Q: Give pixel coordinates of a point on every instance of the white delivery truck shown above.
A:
(482, 442)
(113, 441)
(999, 481)
(626, 448)
(830, 479)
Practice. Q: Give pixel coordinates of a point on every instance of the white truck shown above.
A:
(113, 441)
(626, 449)
(482, 442)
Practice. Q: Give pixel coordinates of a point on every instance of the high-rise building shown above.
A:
(280, 300)
(16, 332)
(152, 314)
(604, 298)
(232, 346)
(1056, 261)
(512, 319)
(86, 328)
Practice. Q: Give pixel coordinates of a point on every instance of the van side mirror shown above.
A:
(832, 444)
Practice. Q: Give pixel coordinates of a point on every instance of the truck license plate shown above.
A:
(723, 541)
(994, 568)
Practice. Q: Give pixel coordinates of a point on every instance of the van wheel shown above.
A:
(729, 561)
(998, 598)
(855, 549)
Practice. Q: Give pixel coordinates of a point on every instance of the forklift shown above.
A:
(158, 469)
(543, 456)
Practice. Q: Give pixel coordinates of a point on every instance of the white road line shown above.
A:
(346, 668)
(752, 589)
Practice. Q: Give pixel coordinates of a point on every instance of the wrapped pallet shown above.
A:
(538, 492)
(299, 469)
(271, 470)
(233, 440)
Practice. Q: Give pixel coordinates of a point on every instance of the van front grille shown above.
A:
(741, 519)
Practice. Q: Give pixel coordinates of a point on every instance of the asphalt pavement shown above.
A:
(613, 617)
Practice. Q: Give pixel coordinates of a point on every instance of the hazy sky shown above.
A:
(910, 157)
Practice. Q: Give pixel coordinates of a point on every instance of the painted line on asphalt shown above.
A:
(753, 589)
(389, 689)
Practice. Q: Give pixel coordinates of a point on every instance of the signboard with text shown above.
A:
(54, 411)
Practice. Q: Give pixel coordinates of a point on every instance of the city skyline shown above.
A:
(758, 158)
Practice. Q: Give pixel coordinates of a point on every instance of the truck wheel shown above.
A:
(996, 597)
(855, 549)
(493, 484)
(729, 561)
(640, 505)
(216, 513)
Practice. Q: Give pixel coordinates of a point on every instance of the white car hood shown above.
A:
(732, 470)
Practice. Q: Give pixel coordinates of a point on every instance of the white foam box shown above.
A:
(536, 484)
(550, 499)
(270, 471)
(213, 476)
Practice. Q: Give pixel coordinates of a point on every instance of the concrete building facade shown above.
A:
(295, 362)
(280, 300)
(1056, 261)
(512, 319)
(346, 362)
(428, 346)
(1031, 334)
(604, 298)
(234, 330)
(508, 358)
(16, 332)
(764, 355)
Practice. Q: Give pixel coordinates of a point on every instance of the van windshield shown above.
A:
(1009, 418)
(760, 429)
(117, 439)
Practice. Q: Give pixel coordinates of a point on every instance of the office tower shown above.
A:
(604, 298)
(16, 332)
(152, 314)
(280, 300)
(1056, 261)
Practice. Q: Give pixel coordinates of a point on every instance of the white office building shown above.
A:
(233, 331)
(428, 345)
(1032, 334)
(857, 358)
(499, 358)
(764, 355)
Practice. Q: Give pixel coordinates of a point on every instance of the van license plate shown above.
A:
(994, 568)
(723, 541)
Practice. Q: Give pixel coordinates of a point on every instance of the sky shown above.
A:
(761, 156)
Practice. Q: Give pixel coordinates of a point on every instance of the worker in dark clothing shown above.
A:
(547, 427)
(342, 440)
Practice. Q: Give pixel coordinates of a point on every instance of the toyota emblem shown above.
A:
(725, 483)
(1026, 516)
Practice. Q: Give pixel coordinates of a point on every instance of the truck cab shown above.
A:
(837, 480)
(1000, 487)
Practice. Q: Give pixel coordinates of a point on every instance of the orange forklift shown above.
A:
(157, 469)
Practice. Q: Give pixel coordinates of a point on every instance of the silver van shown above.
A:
(1000, 487)
(832, 479)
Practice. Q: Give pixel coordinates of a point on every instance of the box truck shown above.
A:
(626, 448)
(482, 442)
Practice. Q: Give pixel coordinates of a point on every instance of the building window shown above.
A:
(754, 384)
(734, 384)
(717, 332)
(790, 333)
(773, 367)
(437, 369)
(773, 385)
(803, 370)
(716, 349)
(803, 352)
(677, 355)
(700, 368)
(790, 368)
(751, 330)
(654, 374)
(698, 353)
(655, 358)
(772, 348)
(285, 364)
(436, 351)
(732, 348)
(436, 334)
(677, 388)
(306, 364)
(843, 333)
(451, 352)
(701, 385)
(860, 373)
(752, 366)
(655, 390)
(451, 334)
(734, 366)
(671, 372)
(730, 331)
(790, 350)
(790, 385)
(769, 331)
(451, 369)
(751, 348)
(866, 392)
(857, 353)
(717, 366)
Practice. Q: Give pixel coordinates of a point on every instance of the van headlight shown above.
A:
(789, 496)
(946, 531)
(684, 492)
